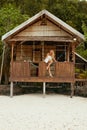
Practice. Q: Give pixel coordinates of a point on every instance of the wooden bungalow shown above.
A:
(32, 40)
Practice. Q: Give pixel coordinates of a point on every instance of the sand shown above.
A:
(33, 112)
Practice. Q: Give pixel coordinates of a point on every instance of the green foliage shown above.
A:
(77, 70)
(82, 51)
(10, 17)
(72, 12)
(84, 27)
(81, 73)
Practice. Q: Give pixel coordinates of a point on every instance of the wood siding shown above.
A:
(34, 53)
(63, 72)
(43, 30)
(20, 69)
(64, 69)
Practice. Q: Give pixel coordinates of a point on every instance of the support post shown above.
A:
(72, 89)
(42, 43)
(44, 89)
(11, 89)
(73, 54)
(33, 51)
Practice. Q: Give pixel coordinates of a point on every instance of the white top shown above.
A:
(47, 59)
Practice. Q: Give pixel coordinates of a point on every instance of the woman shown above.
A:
(50, 58)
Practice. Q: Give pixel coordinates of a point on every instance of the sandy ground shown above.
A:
(33, 112)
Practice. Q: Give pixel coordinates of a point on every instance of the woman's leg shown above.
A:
(49, 63)
(48, 68)
(50, 74)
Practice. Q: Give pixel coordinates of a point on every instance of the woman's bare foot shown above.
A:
(50, 75)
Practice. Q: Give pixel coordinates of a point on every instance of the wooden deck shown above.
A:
(80, 80)
(43, 79)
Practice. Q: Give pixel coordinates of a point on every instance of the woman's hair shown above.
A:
(52, 52)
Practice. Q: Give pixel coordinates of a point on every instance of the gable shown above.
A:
(50, 29)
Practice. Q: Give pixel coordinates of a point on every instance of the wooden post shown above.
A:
(72, 89)
(12, 51)
(11, 84)
(42, 43)
(11, 89)
(44, 89)
(33, 51)
(73, 50)
(67, 53)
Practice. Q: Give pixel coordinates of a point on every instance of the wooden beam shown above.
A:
(67, 53)
(43, 79)
(41, 38)
(12, 51)
(73, 54)
(33, 51)
(42, 43)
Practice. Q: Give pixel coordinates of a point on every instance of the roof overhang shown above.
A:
(80, 57)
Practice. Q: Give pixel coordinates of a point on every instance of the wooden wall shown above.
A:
(36, 53)
(49, 29)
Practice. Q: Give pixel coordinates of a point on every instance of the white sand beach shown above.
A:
(33, 112)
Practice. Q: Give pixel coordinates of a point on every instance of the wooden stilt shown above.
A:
(11, 89)
(72, 89)
(44, 89)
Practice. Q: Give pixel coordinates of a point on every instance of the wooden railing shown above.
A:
(64, 70)
(20, 69)
(60, 70)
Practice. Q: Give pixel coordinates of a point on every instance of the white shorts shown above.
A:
(47, 59)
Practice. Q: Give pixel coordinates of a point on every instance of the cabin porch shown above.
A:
(27, 62)
(25, 71)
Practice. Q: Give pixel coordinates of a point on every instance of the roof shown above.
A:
(52, 18)
(80, 57)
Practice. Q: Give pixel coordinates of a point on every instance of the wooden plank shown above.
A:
(12, 52)
(80, 80)
(49, 29)
(43, 79)
(64, 69)
(20, 69)
(43, 33)
(63, 72)
(26, 69)
(41, 38)
(42, 69)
